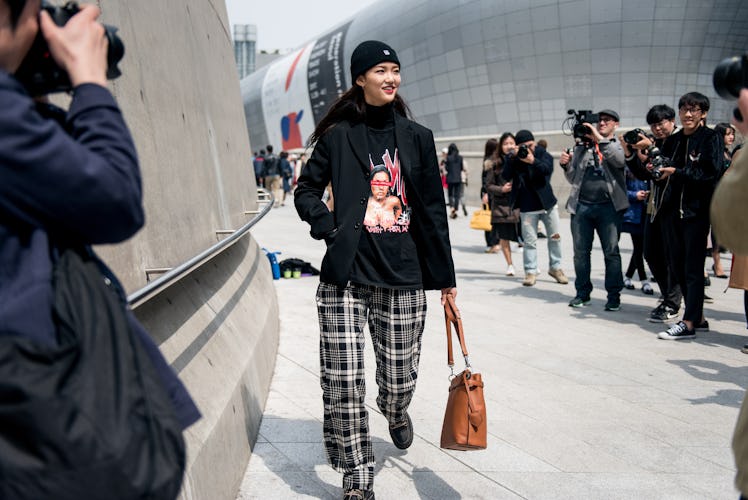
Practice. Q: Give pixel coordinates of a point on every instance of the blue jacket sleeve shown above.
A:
(82, 183)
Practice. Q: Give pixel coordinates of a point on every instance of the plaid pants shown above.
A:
(396, 320)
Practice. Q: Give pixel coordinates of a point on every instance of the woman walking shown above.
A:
(378, 161)
(454, 167)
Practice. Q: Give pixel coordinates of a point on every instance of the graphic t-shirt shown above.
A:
(386, 253)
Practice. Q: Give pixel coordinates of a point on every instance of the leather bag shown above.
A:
(87, 417)
(481, 219)
(465, 426)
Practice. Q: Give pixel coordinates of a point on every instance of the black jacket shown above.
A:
(340, 157)
(535, 177)
(692, 184)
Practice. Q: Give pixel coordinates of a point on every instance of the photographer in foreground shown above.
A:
(68, 179)
(596, 203)
(695, 157)
(728, 210)
(661, 120)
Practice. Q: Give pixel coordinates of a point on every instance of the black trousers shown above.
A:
(660, 262)
(685, 241)
(636, 264)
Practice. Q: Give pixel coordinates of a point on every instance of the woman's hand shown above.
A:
(452, 292)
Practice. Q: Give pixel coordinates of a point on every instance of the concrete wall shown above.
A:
(218, 327)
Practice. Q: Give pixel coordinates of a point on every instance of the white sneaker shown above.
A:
(510, 270)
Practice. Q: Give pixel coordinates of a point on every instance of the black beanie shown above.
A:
(523, 136)
(369, 54)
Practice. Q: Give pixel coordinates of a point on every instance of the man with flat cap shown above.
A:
(597, 201)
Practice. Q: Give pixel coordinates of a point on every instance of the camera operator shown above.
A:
(597, 202)
(661, 120)
(529, 170)
(695, 157)
(71, 183)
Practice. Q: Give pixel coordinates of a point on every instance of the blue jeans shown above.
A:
(603, 218)
(529, 221)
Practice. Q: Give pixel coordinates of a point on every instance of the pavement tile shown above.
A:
(581, 403)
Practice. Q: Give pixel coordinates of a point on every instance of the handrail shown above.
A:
(137, 298)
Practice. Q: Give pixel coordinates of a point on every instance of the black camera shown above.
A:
(730, 76)
(632, 136)
(658, 160)
(41, 75)
(578, 118)
(523, 151)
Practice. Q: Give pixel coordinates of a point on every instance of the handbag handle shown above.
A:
(451, 318)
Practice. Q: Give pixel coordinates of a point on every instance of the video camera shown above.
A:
(576, 120)
(41, 75)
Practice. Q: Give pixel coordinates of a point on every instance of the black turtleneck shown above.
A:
(380, 117)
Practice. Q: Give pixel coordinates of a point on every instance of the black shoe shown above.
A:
(707, 281)
(661, 314)
(613, 305)
(541, 234)
(702, 327)
(579, 301)
(708, 299)
(744, 349)
(402, 433)
(678, 331)
(359, 495)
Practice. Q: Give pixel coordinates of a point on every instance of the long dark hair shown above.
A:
(351, 106)
(500, 149)
(489, 153)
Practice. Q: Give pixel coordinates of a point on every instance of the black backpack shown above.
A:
(87, 418)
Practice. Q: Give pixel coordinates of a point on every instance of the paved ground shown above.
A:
(582, 403)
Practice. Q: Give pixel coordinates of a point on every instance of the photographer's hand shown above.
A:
(666, 172)
(593, 134)
(644, 143)
(565, 158)
(79, 47)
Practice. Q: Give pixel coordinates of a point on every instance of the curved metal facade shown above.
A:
(483, 66)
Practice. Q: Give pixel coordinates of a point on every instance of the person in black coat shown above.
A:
(372, 154)
(695, 156)
(454, 166)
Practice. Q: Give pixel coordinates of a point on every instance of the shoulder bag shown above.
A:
(86, 417)
(464, 427)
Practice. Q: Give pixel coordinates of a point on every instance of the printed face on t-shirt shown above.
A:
(387, 209)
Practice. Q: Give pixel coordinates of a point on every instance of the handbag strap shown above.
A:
(451, 318)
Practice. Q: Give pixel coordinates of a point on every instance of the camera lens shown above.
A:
(728, 78)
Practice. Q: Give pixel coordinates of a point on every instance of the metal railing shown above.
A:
(175, 274)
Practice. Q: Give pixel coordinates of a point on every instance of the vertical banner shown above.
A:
(298, 89)
(326, 71)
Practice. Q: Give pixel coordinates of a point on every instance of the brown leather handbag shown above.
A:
(464, 426)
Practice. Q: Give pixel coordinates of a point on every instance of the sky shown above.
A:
(287, 24)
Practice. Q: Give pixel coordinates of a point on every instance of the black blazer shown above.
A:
(341, 157)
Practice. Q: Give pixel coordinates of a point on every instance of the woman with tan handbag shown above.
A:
(504, 218)
(373, 272)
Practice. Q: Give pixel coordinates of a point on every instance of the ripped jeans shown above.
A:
(529, 224)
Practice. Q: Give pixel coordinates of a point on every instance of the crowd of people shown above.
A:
(655, 185)
(277, 173)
